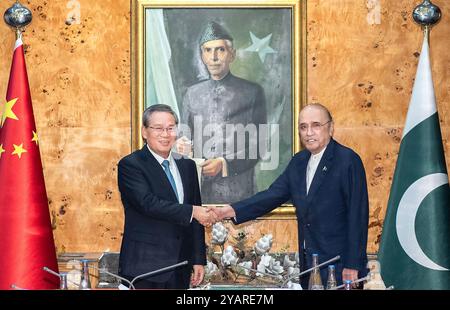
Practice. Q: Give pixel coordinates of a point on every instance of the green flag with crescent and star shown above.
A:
(415, 244)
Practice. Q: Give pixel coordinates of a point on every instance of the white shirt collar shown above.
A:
(318, 156)
(159, 158)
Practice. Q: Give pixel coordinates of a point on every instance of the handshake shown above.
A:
(212, 214)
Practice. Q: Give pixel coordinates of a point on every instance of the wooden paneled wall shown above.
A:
(80, 86)
(80, 81)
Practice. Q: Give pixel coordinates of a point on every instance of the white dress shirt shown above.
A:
(311, 168)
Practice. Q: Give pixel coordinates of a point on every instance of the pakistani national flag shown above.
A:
(415, 244)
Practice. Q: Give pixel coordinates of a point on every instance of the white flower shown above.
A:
(229, 257)
(287, 262)
(268, 264)
(275, 267)
(261, 268)
(247, 265)
(211, 268)
(265, 259)
(293, 286)
(263, 245)
(263, 264)
(219, 233)
(293, 271)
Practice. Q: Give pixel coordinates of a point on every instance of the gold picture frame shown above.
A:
(296, 50)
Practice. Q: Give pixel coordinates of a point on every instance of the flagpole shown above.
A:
(427, 15)
(18, 34)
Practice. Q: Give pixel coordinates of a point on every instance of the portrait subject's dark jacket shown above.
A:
(332, 218)
(210, 109)
(158, 231)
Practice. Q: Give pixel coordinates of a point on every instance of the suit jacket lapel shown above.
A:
(157, 170)
(302, 176)
(322, 170)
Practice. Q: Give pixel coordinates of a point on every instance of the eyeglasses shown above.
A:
(314, 126)
(159, 130)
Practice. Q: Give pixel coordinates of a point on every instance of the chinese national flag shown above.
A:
(26, 237)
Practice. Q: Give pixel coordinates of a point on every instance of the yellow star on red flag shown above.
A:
(8, 112)
(2, 150)
(35, 137)
(18, 150)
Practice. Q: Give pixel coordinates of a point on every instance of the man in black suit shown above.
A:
(326, 183)
(163, 212)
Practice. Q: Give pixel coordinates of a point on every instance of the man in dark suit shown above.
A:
(326, 182)
(215, 109)
(161, 198)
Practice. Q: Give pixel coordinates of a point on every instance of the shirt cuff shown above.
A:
(224, 167)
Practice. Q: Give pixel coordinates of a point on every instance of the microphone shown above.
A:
(51, 271)
(310, 269)
(15, 287)
(157, 271)
(62, 278)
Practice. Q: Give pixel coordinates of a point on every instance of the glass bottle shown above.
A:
(347, 285)
(315, 281)
(85, 282)
(331, 281)
(63, 281)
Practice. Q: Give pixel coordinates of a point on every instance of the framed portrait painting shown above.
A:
(234, 72)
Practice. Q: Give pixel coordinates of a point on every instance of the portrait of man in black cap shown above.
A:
(223, 113)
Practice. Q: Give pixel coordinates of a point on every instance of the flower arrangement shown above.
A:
(240, 263)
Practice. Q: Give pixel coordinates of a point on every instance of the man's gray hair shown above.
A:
(157, 108)
(320, 107)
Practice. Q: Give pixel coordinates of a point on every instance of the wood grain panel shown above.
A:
(80, 83)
